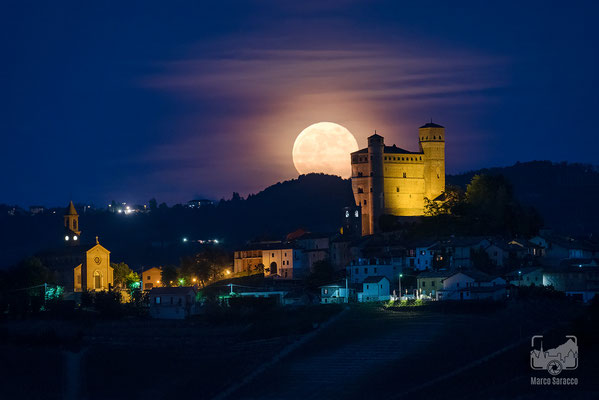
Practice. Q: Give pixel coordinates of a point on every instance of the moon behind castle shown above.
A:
(324, 147)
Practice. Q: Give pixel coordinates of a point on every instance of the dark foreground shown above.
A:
(442, 351)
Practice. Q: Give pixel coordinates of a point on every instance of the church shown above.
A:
(391, 180)
(78, 269)
(94, 272)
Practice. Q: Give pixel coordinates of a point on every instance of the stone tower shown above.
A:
(376, 199)
(71, 225)
(432, 144)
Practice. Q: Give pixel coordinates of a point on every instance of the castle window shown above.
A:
(359, 174)
(420, 158)
(411, 158)
(393, 158)
(404, 175)
(370, 190)
(397, 188)
(364, 202)
(360, 190)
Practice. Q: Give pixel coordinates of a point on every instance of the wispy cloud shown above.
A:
(247, 105)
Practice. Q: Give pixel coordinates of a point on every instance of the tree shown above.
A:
(124, 277)
(169, 275)
(153, 204)
(30, 272)
(206, 266)
(451, 204)
(481, 260)
(322, 272)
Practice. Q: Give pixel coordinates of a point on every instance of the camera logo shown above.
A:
(563, 357)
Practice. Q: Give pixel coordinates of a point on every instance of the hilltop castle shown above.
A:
(391, 180)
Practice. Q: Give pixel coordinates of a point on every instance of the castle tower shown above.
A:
(432, 144)
(376, 203)
(71, 225)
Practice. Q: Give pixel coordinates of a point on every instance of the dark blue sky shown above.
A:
(173, 100)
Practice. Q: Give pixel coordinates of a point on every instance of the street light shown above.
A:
(519, 278)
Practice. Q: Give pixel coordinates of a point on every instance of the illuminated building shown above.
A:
(282, 260)
(151, 278)
(95, 273)
(391, 180)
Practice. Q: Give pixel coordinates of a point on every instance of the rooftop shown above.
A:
(431, 125)
(374, 279)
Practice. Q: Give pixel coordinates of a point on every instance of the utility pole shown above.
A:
(400, 276)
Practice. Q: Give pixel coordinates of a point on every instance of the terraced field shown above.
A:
(372, 352)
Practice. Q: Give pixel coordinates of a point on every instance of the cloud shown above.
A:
(246, 104)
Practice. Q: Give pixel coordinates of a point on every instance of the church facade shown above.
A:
(95, 273)
(391, 180)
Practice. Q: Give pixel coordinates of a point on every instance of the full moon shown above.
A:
(324, 147)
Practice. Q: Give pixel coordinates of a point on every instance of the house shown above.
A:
(420, 255)
(337, 292)
(526, 276)
(374, 288)
(472, 285)
(503, 253)
(430, 282)
(363, 268)
(282, 260)
(558, 247)
(460, 249)
(578, 282)
(340, 253)
(172, 302)
(151, 278)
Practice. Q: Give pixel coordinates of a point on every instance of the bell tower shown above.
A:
(71, 225)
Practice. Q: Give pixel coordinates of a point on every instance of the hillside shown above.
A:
(564, 194)
(313, 201)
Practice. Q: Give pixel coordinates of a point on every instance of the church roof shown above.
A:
(71, 209)
(431, 125)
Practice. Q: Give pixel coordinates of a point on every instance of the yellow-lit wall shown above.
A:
(151, 278)
(408, 178)
(97, 260)
(404, 196)
(246, 260)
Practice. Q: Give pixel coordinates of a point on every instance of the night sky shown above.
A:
(177, 100)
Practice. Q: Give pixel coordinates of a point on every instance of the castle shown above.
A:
(391, 180)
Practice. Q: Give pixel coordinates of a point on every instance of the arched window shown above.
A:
(273, 267)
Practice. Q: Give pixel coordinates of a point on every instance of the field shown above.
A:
(446, 351)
